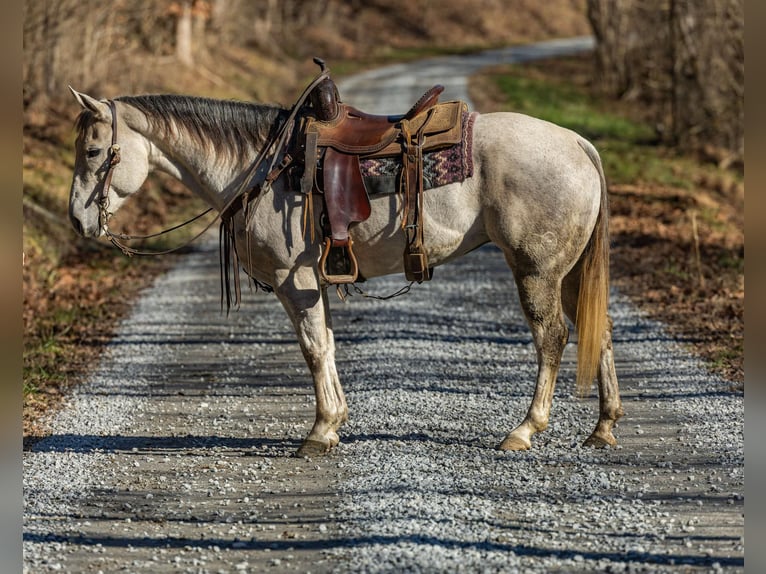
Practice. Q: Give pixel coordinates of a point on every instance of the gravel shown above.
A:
(425, 490)
(176, 455)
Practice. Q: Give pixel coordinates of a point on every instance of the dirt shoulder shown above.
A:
(679, 255)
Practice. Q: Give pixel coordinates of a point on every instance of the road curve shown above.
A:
(393, 89)
(175, 455)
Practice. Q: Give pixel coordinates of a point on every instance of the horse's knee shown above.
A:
(562, 333)
(316, 358)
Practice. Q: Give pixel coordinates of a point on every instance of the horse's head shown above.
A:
(111, 163)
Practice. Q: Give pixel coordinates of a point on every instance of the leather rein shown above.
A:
(103, 206)
(275, 144)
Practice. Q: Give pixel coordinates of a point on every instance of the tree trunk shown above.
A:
(683, 60)
(708, 74)
(609, 21)
(184, 35)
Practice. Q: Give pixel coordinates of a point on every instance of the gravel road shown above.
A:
(176, 454)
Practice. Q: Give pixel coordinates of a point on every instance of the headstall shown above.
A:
(103, 205)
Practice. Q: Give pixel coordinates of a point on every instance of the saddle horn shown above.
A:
(325, 98)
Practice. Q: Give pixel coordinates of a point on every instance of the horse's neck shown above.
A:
(215, 179)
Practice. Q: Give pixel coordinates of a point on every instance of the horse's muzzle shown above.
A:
(84, 230)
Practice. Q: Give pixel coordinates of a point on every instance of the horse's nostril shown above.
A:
(77, 226)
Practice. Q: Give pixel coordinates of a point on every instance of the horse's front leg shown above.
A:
(306, 304)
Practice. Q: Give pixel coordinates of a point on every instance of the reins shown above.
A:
(229, 259)
(274, 145)
(103, 204)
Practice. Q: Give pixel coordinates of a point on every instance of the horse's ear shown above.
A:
(100, 109)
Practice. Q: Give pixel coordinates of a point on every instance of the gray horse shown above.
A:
(537, 192)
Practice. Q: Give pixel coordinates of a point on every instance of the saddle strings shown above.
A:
(272, 148)
(343, 292)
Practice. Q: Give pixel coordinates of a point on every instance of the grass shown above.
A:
(567, 105)
(630, 149)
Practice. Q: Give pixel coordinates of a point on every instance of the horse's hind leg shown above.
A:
(541, 301)
(609, 404)
(306, 304)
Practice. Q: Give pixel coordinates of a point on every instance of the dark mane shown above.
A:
(232, 127)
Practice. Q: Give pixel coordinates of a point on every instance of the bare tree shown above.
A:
(684, 60)
(708, 76)
(184, 34)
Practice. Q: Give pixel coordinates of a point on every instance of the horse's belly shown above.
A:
(451, 223)
(276, 240)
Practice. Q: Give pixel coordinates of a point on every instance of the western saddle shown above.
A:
(334, 139)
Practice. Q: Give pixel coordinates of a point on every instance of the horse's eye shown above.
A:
(94, 152)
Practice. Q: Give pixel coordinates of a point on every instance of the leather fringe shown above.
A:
(229, 262)
(229, 257)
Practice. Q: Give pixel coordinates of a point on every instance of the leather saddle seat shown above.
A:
(355, 132)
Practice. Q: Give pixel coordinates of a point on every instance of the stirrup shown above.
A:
(338, 279)
(416, 265)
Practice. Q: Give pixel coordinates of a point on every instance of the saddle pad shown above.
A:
(440, 167)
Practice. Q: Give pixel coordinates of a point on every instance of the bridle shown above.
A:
(103, 205)
(113, 159)
(273, 149)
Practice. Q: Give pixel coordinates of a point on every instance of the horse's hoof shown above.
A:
(514, 443)
(600, 440)
(311, 447)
